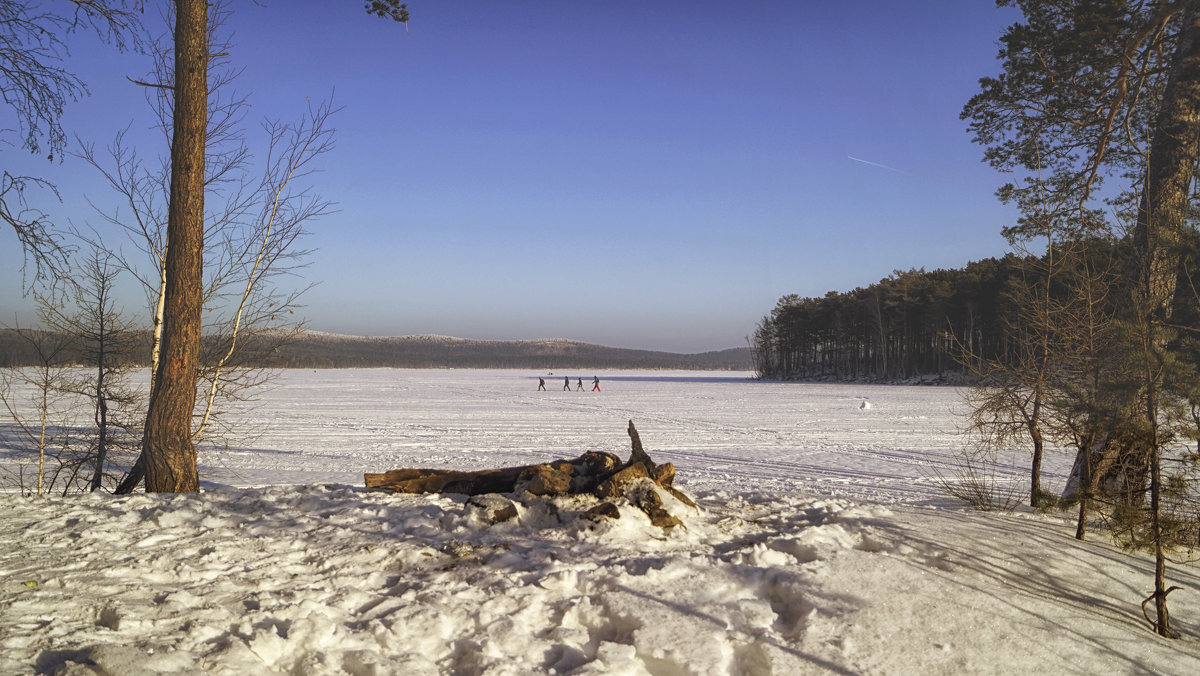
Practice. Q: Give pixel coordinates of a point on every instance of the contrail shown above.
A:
(874, 164)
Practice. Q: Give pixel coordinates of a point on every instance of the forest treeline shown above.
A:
(910, 324)
(309, 349)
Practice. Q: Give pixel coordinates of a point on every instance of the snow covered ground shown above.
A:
(822, 545)
(722, 430)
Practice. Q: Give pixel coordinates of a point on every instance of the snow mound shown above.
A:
(337, 580)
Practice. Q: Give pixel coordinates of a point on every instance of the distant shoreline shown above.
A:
(319, 350)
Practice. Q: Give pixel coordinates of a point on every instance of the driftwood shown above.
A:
(597, 473)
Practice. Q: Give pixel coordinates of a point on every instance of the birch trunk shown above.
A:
(159, 307)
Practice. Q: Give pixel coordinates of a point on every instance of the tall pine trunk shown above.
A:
(169, 454)
(1174, 151)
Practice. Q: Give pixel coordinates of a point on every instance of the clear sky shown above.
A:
(637, 174)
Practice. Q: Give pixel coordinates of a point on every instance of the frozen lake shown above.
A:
(789, 566)
(720, 429)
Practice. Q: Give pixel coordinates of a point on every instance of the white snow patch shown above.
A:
(819, 547)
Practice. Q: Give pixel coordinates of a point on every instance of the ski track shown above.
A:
(719, 432)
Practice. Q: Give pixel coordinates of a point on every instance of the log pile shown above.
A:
(596, 473)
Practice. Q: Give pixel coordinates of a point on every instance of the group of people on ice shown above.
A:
(567, 384)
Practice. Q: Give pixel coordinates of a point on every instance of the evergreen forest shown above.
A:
(939, 325)
(905, 325)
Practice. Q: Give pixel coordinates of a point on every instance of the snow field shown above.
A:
(721, 430)
(821, 546)
(340, 580)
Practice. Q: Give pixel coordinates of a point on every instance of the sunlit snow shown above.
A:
(823, 544)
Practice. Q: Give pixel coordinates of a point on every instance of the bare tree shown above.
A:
(252, 236)
(170, 455)
(35, 401)
(36, 85)
(258, 322)
(105, 342)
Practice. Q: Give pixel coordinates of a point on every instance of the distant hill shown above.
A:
(314, 349)
(326, 350)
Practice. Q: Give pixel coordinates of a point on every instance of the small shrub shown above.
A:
(978, 487)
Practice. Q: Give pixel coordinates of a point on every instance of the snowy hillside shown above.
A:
(822, 545)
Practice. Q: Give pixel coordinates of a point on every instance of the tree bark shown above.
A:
(1085, 490)
(1035, 472)
(1174, 151)
(101, 422)
(134, 477)
(167, 446)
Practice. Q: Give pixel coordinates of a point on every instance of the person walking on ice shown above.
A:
(595, 383)
(566, 383)
(541, 383)
(579, 385)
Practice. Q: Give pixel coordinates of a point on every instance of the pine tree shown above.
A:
(1092, 92)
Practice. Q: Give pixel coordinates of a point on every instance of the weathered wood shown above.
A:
(596, 473)
(652, 505)
(492, 508)
(612, 486)
(412, 480)
(559, 477)
(639, 454)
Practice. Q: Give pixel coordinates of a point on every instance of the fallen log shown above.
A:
(596, 473)
(559, 477)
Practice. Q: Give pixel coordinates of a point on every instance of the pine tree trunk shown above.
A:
(169, 454)
(1173, 154)
(1174, 151)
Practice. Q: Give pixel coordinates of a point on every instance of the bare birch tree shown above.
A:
(254, 228)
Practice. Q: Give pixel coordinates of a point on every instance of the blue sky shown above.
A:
(650, 175)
